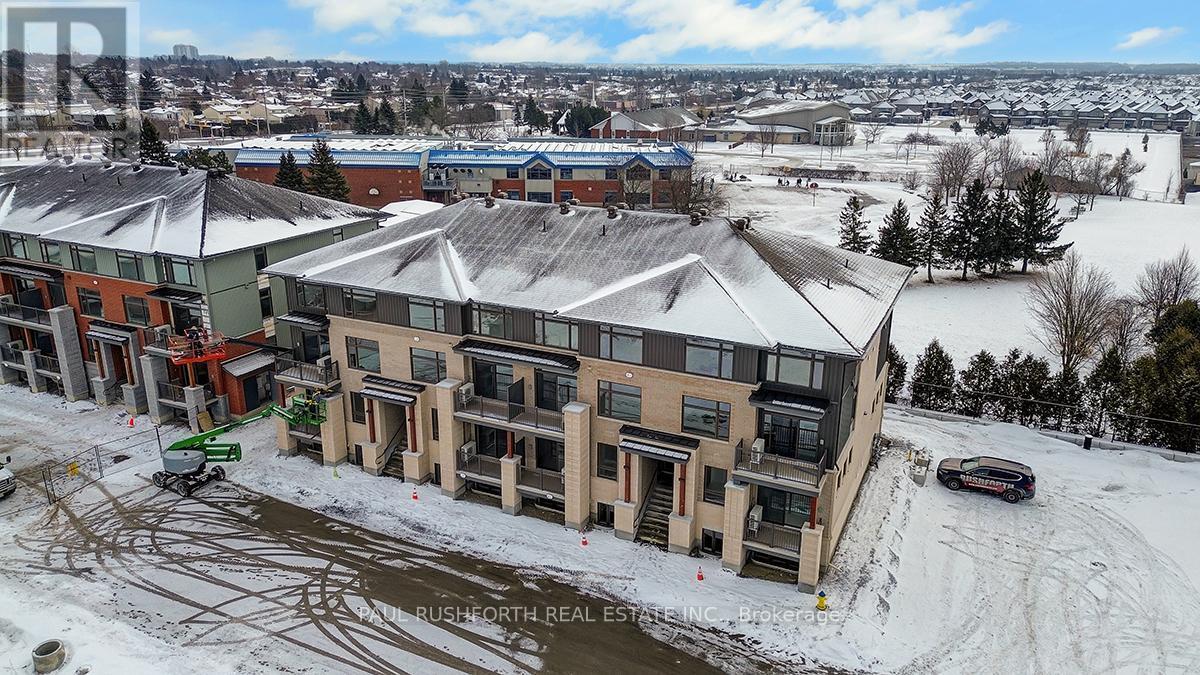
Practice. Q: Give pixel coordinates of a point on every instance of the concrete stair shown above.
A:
(655, 525)
(395, 465)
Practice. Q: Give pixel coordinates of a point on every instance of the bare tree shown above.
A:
(1080, 137)
(1122, 173)
(1167, 282)
(1126, 328)
(1071, 304)
(1009, 158)
(950, 168)
(872, 132)
(634, 184)
(696, 189)
(766, 137)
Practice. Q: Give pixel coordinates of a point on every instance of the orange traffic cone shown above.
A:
(583, 540)
(131, 421)
(699, 574)
(415, 497)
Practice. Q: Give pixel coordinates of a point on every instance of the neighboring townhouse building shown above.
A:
(386, 169)
(103, 267)
(826, 122)
(664, 124)
(682, 381)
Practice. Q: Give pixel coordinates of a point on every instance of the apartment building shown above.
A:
(387, 169)
(103, 267)
(679, 380)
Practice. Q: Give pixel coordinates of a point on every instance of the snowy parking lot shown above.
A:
(1095, 574)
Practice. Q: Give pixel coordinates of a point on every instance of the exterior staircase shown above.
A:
(395, 465)
(654, 527)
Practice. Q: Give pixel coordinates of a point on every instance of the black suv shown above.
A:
(1010, 480)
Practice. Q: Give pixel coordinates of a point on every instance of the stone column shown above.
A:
(417, 467)
(286, 444)
(624, 515)
(810, 558)
(101, 385)
(194, 403)
(577, 464)
(510, 499)
(737, 504)
(70, 353)
(450, 435)
(154, 370)
(37, 382)
(679, 533)
(333, 431)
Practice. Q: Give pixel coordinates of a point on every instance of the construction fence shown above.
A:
(68, 476)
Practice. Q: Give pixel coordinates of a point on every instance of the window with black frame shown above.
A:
(129, 266)
(791, 437)
(137, 311)
(798, 368)
(705, 417)
(620, 401)
(620, 344)
(427, 314)
(16, 246)
(606, 461)
(90, 303)
(538, 172)
(555, 390)
(362, 354)
(309, 295)
(84, 259)
(428, 366)
(358, 408)
(491, 321)
(360, 304)
(709, 357)
(52, 253)
(492, 379)
(782, 507)
(714, 484)
(553, 332)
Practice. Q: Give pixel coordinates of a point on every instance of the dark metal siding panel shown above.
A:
(745, 364)
(668, 352)
(393, 309)
(289, 289)
(333, 301)
(455, 315)
(589, 340)
(523, 328)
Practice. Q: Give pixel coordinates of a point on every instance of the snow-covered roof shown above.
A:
(647, 270)
(410, 208)
(158, 210)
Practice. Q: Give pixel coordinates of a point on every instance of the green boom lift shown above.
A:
(185, 460)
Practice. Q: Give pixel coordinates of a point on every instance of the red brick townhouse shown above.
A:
(142, 284)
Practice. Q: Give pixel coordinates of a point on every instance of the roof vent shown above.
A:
(67, 159)
(741, 224)
(695, 218)
(564, 207)
(612, 211)
(622, 205)
(137, 166)
(489, 201)
(107, 163)
(573, 201)
(183, 169)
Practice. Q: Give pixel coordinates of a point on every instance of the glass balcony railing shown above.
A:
(11, 310)
(514, 413)
(779, 467)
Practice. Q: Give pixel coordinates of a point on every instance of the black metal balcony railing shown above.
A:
(782, 537)
(47, 362)
(10, 355)
(480, 465)
(323, 374)
(306, 429)
(547, 480)
(438, 184)
(12, 310)
(778, 466)
(514, 413)
(170, 391)
(158, 339)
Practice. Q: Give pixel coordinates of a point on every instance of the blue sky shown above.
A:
(680, 31)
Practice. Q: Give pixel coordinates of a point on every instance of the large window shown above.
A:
(492, 379)
(129, 266)
(566, 174)
(180, 271)
(52, 253)
(16, 246)
(137, 311)
(538, 172)
(714, 484)
(540, 197)
(620, 344)
(260, 258)
(664, 174)
(610, 173)
(428, 366)
(90, 303)
(358, 408)
(427, 314)
(359, 304)
(638, 172)
(783, 508)
(363, 354)
(790, 436)
(491, 321)
(704, 417)
(512, 172)
(84, 259)
(606, 461)
(620, 401)
(265, 306)
(553, 332)
(799, 368)
(706, 357)
(309, 295)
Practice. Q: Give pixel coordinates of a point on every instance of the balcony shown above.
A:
(11, 356)
(546, 480)
(780, 539)
(47, 363)
(24, 313)
(437, 184)
(485, 409)
(305, 430)
(169, 391)
(480, 466)
(307, 375)
(779, 468)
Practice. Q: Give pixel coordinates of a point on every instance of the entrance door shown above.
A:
(555, 390)
(184, 317)
(549, 454)
(256, 389)
(492, 380)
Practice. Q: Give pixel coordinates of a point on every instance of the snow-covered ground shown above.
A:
(1096, 574)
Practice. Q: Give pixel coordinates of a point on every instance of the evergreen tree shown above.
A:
(1006, 408)
(151, 149)
(897, 374)
(1037, 223)
(387, 123)
(289, 174)
(1029, 381)
(853, 233)
(931, 235)
(1104, 390)
(149, 91)
(199, 158)
(998, 239)
(984, 126)
(1066, 393)
(979, 380)
(325, 178)
(956, 127)
(933, 379)
(961, 245)
(899, 241)
(363, 121)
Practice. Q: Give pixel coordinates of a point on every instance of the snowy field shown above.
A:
(1096, 574)
(980, 313)
(1162, 159)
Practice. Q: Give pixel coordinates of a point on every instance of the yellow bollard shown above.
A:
(335, 473)
(821, 601)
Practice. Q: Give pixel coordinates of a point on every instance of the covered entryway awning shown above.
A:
(305, 320)
(110, 333)
(657, 444)
(789, 403)
(655, 451)
(176, 296)
(29, 272)
(386, 396)
(252, 362)
(545, 360)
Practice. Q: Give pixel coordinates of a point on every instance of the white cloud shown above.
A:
(261, 43)
(537, 46)
(346, 56)
(365, 38)
(172, 36)
(456, 25)
(1145, 36)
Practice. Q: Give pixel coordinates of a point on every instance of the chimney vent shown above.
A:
(137, 166)
(695, 218)
(564, 207)
(612, 211)
(183, 169)
(489, 201)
